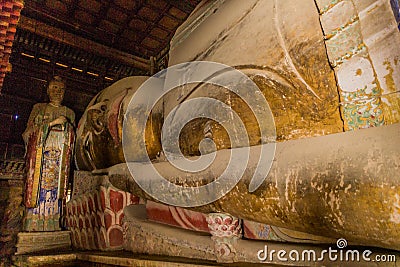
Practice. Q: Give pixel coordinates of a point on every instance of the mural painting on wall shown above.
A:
(49, 139)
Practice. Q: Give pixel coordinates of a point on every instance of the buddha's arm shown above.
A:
(32, 123)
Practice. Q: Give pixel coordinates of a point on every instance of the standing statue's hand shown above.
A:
(60, 120)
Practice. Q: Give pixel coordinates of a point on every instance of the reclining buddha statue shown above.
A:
(312, 85)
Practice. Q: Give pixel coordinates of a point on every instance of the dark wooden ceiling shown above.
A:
(90, 43)
(139, 27)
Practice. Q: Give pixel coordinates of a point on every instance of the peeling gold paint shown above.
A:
(395, 216)
(391, 105)
(329, 6)
(389, 77)
(372, 9)
(342, 28)
(347, 189)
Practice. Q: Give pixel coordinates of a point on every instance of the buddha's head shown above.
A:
(56, 90)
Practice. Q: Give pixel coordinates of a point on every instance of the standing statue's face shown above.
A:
(56, 92)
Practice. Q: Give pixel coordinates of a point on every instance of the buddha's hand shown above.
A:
(60, 120)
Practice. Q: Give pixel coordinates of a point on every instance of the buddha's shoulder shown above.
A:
(70, 111)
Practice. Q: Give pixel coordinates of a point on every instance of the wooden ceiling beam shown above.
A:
(72, 8)
(67, 38)
(105, 6)
(35, 10)
(24, 69)
(138, 6)
(20, 98)
(184, 6)
(156, 23)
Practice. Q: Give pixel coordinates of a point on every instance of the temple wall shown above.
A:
(11, 210)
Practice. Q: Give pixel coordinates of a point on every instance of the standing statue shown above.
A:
(49, 139)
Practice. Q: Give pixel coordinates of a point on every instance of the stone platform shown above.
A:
(143, 236)
(103, 259)
(115, 258)
(149, 244)
(43, 241)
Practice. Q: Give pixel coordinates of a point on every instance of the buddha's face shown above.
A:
(56, 92)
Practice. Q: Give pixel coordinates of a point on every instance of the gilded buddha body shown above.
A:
(327, 174)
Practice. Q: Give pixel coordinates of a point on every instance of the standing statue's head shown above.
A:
(56, 90)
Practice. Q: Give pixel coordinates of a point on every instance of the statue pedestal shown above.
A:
(94, 213)
(30, 242)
